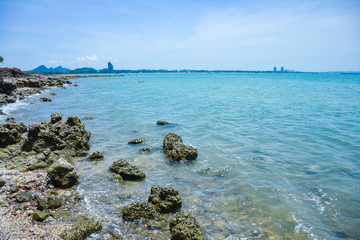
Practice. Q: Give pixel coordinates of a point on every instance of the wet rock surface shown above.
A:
(145, 149)
(81, 229)
(96, 156)
(165, 200)
(44, 99)
(185, 227)
(63, 174)
(159, 122)
(126, 170)
(136, 141)
(138, 211)
(175, 150)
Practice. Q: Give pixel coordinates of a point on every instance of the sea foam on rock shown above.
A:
(175, 150)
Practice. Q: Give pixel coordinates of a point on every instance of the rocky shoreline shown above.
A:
(38, 197)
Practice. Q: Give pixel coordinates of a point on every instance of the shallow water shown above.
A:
(278, 153)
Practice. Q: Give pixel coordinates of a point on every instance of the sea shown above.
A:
(279, 153)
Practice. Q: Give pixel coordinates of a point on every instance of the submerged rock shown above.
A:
(39, 215)
(136, 141)
(162, 122)
(81, 230)
(165, 200)
(185, 227)
(138, 211)
(145, 149)
(175, 150)
(96, 156)
(44, 99)
(63, 174)
(126, 170)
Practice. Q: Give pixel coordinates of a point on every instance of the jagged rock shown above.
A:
(138, 211)
(81, 230)
(165, 200)
(44, 99)
(185, 227)
(2, 182)
(162, 122)
(39, 216)
(96, 156)
(175, 150)
(57, 134)
(10, 133)
(126, 170)
(7, 84)
(63, 174)
(136, 141)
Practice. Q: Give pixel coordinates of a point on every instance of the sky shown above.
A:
(316, 35)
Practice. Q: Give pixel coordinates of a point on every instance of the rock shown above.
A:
(96, 156)
(53, 94)
(89, 118)
(185, 227)
(162, 122)
(75, 85)
(114, 235)
(175, 150)
(10, 133)
(165, 200)
(145, 149)
(54, 202)
(136, 141)
(57, 134)
(63, 174)
(39, 216)
(60, 213)
(24, 197)
(41, 202)
(81, 230)
(138, 211)
(126, 170)
(55, 117)
(44, 99)
(2, 182)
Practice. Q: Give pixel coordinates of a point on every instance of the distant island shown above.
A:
(88, 70)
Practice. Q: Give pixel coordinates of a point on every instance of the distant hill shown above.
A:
(43, 69)
(83, 70)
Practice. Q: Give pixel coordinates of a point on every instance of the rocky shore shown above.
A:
(38, 196)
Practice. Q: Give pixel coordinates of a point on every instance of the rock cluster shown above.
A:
(175, 150)
(126, 170)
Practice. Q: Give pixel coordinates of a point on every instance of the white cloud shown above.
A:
(91, 58)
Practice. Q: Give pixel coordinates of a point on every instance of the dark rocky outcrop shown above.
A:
(96, 156)
(136, 141)
(185, 227)
(81, 230)
(126, 170)
(165, 200)
(175, 150)
(162, 122)
(63, 174)
(58, 134)
(138, 211)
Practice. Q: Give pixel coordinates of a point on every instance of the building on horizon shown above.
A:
(282, 69)
(274, 69)
(110, 67)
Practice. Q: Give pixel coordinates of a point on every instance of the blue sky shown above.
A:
(198, 34)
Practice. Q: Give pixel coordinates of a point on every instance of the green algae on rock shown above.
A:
(175, 150)
(165, 200)
(126, 170)
(96, 156)
(39, 215)
(185, 227)
(81, 229)
(138, 211)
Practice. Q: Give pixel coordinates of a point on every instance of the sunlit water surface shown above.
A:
(279, 154)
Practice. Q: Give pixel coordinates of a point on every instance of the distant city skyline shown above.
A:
(308, 35)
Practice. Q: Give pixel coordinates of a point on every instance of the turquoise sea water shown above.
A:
(279, 154)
